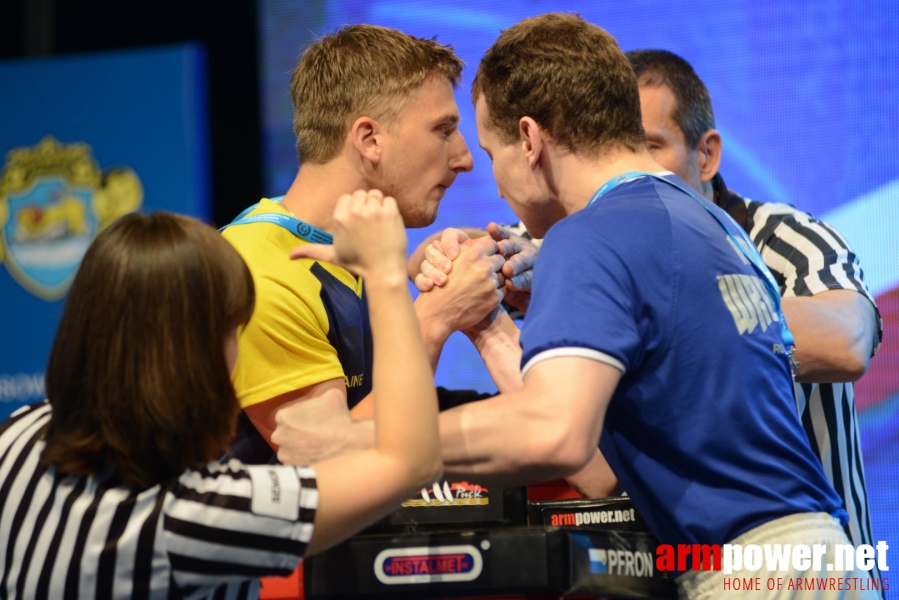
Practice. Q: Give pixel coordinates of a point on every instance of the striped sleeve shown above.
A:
(231, 522)
(806, 256)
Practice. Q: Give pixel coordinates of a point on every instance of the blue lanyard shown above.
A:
(302, 230)
(738, 238)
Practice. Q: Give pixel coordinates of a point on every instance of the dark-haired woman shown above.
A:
(110, 488)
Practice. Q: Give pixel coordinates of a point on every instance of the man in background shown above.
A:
(824, 297)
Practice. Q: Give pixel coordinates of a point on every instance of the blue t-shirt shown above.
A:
(702, 429)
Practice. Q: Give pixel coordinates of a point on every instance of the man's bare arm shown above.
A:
(496, 335)
(547, 430)
(595, 480)
(435, 330)
(465, 300)
(310, 424)
(834, 334)
(496, 340)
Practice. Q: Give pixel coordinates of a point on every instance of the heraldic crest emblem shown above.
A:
(54, 200)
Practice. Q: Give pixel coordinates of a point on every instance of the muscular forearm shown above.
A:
(547, 430)
(322, 440)
(834, 335)
(434, 332)
(596, 479)
(499, 349)
(507, 440)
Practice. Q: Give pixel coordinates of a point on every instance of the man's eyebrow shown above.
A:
(448, 118)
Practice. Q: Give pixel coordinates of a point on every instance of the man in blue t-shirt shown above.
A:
(669, 352)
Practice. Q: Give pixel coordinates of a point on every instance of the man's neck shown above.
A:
(315, 190)
(579, 177)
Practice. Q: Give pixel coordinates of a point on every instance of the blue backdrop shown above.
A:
(84, 139)
(806, 95)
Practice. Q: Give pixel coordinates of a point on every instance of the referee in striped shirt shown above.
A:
(97, 536)
(827, 305)
(110, 489)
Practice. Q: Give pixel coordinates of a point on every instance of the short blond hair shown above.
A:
(362, 70)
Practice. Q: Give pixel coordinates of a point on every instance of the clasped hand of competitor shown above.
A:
(470, 297)
(515, 270)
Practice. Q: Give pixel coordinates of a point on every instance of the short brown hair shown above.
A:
(137, 376)
(361, 69)
(566, 74)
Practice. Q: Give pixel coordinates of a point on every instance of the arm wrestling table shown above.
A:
(464, 541)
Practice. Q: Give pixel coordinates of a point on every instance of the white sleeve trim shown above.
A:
(573, 351)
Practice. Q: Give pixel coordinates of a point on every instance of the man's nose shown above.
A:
(461, 160)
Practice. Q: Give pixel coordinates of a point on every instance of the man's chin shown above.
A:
(536, 231)
(421, 212)
(420, 218)
(538, 218)
(532, 223)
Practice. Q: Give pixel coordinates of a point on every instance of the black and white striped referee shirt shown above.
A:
(808, 257)
(210, 534)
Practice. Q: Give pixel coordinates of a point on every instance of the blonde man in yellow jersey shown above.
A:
(373, 109)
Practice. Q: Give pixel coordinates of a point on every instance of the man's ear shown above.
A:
(366, 135)
(532, 140)
(708, 154)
